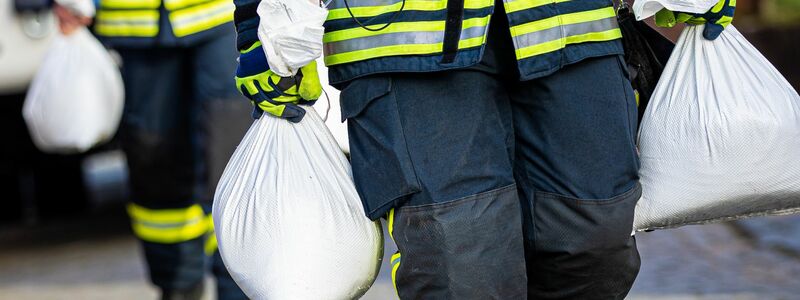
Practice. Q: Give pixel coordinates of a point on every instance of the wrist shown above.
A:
(252, 46)
(252, 61)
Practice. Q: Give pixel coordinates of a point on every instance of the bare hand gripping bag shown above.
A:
(288, 220)
(720, 139)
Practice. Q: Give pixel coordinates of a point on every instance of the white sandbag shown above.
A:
(720, 139)
(75, 100)
(288, 220)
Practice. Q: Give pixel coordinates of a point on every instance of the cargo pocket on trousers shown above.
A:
(382, 168)
(584, 248)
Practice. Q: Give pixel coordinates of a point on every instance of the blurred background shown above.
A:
(64, 232)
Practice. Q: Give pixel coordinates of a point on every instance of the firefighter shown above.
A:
(497, 137)
(181, 123)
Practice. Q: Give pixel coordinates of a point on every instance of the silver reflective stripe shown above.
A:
(397, 38)
(558, 32)
(199, 16)
(365, 3)
(132, 22)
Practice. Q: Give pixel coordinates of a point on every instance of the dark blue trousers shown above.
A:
(497, 188)
(183, 118)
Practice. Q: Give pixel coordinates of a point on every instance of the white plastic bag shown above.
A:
(644, 9)
(75, 100)
(288, 220)
(720, 139)
(83, 8)
(290, 33)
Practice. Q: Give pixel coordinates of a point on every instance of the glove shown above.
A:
(271, 93)
(716, 19)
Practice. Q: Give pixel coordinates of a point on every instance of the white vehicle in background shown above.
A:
(24, 37)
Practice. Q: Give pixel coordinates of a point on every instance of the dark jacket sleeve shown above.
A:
(246, 20)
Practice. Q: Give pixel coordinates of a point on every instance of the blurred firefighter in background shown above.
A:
(182, 120)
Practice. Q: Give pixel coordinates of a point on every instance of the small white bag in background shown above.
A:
(720, 139)
(84, 8)
(76, 98)
(288, 219)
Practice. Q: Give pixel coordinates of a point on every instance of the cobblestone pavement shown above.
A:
(96, 258)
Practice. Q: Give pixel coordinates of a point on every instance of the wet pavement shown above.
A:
(96, 258)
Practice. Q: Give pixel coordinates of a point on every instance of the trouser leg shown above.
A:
(576, 167)
(220, 117)
(156, 139)
(438, 147)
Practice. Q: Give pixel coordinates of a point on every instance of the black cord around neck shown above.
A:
(391, 20)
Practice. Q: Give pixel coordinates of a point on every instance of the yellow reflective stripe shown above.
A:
(406, 49)
(395, 266)
(130, 4)
(202, 17)
(359, 32)
(165, 216)
(211, 240)
(527, 4)
(140, 23)
(395, 260)
(561, 43)
(391, 223)
(170, 235)
(411, 49)
(371, 11)
(566, 19)
(178, 4)
(168, 226)
(211, 244)
(473, 42)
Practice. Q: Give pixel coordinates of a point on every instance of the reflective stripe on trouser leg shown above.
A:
(168, 226)
(395, 260)
(173, 241)
(211, 238)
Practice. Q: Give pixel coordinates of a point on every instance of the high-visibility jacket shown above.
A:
(435, 35)
(161, 22)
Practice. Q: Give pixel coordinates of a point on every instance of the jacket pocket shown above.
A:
(382, 168)
(361, 92)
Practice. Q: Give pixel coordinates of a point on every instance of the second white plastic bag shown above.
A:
(76, 98)
(720, 139)
(288, 219)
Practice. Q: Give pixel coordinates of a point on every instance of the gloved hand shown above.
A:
(716, 19)
(272, 93)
